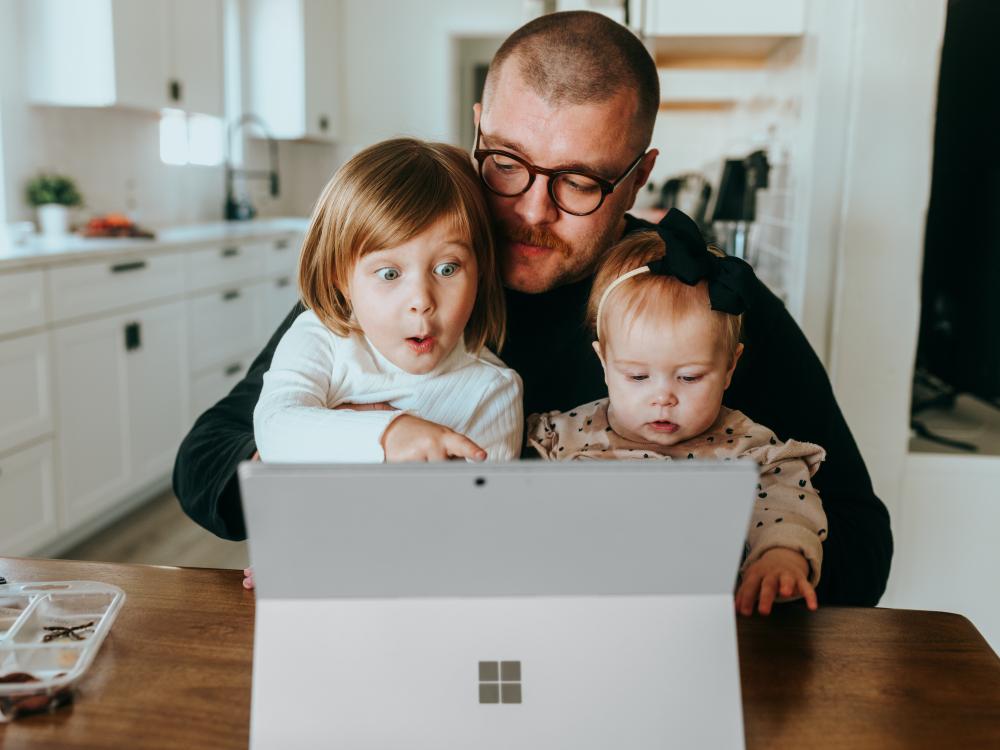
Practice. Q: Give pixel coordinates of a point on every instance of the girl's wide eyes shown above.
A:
(446, 269)
(388, 274)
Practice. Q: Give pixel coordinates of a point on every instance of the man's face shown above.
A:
(540, 247)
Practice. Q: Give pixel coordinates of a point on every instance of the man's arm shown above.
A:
(781, 383)
(205, 470)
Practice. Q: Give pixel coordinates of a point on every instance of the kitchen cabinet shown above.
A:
(292, 68)
(109, 353)
(22, 301)
(122, 401)
(27, 499)
(92, 288)
(142, 54)
(157, 374)
(196, 45)
(26, 394)
(91, 398)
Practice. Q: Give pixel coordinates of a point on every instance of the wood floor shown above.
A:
(159, 533)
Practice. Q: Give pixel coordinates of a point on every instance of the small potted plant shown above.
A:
(53, 195)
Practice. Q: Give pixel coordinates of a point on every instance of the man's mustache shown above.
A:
(537, 236)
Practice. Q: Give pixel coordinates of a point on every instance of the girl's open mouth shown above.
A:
(420, 344)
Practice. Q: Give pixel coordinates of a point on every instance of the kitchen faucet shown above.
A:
(243, 209)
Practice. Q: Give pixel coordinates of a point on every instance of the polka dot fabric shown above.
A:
(787, 510)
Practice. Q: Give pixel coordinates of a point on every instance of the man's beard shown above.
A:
(537, 236)
(577, 262)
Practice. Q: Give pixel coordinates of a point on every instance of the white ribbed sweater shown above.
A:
(314, 370)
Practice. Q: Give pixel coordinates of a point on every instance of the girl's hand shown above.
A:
(778, 572)
(410, 438)
(248, 578)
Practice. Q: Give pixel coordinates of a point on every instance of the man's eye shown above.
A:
(388, 274)
(582, 185)
(503, 164)
(446, 269)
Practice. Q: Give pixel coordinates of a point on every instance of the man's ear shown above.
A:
(477, 113)
(642, 172)
(732, 368)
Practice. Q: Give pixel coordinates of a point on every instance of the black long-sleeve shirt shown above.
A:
(779, 382)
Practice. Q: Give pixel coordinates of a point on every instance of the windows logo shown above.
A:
(499, 682)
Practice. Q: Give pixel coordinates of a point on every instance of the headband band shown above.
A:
(731, 281)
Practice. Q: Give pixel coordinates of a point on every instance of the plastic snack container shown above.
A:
(49, 634)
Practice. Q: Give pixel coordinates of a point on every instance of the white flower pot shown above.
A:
(53, 220)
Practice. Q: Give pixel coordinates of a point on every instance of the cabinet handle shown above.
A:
(281, 283)
(175, 90)
(230, 252)
(324, 123)
(230, 295)
(133, 337)
(281, 245)
(125, 267)
(233, 369)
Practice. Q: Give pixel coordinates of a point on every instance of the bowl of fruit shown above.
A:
(114, 225)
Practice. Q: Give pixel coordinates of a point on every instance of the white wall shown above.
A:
(399, 73)
(885, 195)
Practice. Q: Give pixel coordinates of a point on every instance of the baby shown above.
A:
(667, 315)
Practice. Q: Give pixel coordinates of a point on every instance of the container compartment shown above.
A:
(44, 663)
(72, 605)
(46, 624)
(11, 607)
(27, 680)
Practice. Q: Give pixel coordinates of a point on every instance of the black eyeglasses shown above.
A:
(577, 193)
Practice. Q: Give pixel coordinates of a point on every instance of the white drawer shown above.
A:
(81, 290)
(26, 393)
(214, 383)
(282, 255)
(27, 500)
(22, 301)
(280, 296)
(223, 325)
(221, 266)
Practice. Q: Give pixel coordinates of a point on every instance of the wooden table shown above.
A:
(175, 672)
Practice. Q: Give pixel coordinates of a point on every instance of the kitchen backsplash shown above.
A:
(114, 155)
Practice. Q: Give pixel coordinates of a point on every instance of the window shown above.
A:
(190, 139)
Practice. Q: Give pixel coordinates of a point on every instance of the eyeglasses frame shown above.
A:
(607, 186)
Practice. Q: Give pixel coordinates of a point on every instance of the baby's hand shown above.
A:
(409, 438)
(779, 571)
(248, 578)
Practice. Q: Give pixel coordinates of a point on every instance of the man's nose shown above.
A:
(536, 206)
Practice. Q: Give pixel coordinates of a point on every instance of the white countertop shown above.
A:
(36, 252)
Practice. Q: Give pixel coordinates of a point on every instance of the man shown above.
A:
(562, 145)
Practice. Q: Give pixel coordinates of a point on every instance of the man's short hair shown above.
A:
(582, 57)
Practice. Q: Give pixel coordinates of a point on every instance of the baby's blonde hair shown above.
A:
(383, 197)
(651, 293)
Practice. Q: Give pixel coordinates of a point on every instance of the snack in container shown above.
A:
(49, 635)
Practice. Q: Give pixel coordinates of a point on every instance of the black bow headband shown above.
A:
(730, 280)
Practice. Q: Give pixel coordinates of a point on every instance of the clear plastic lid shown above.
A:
(49, 635)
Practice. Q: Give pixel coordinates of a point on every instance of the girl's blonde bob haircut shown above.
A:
(383, 197)
(653, 294)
